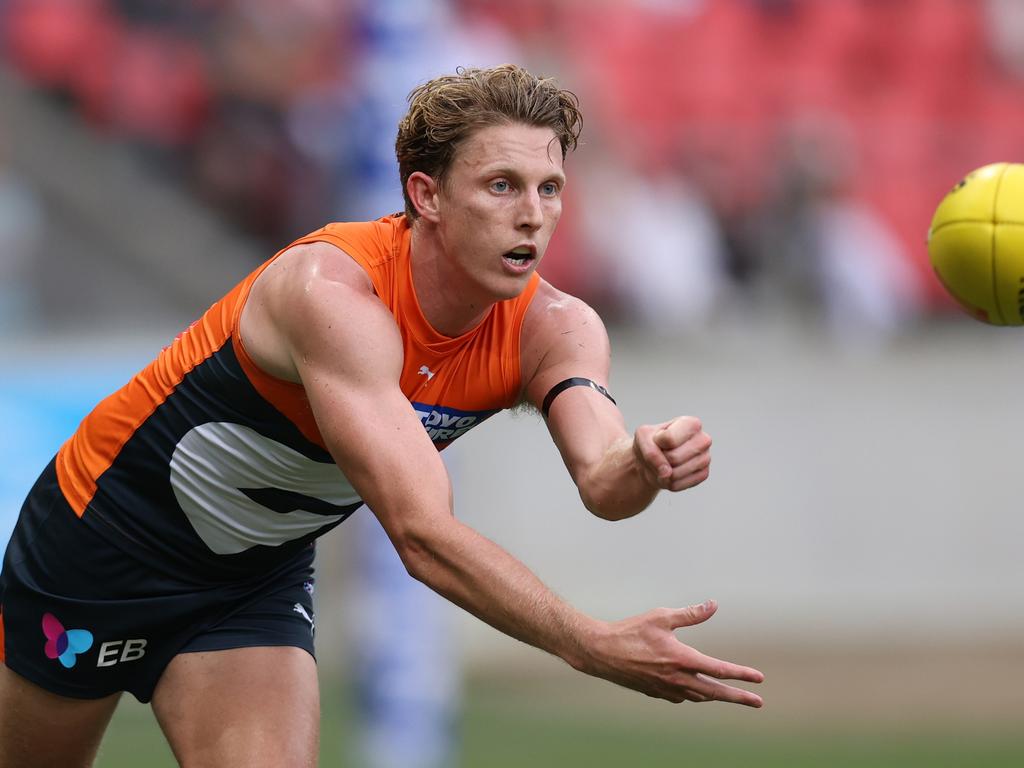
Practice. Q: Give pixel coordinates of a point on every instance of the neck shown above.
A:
(450, 303)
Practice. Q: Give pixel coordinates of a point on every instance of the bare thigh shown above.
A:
(39, 729)
(250, 707)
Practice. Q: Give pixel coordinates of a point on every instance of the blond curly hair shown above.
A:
(445, 111)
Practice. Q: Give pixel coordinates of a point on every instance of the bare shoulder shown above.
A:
(302, 267)
(555, 309)
(563, 336)
(297, 300)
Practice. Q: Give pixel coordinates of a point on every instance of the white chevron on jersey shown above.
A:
(214, 460)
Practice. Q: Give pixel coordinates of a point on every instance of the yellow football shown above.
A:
(976, 243)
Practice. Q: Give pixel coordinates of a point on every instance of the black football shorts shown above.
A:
(83, 618)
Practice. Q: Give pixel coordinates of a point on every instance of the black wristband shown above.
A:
(575, 381)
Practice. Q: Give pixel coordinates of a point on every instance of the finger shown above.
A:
(693, 614)
(699, 465)
(677, 432)
(697, 445)
(652, 458)
(712, 690)
(688, 481)
(724, 670)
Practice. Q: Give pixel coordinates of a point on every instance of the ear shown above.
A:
(423, 192)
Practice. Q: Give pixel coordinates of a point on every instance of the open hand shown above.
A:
(644, 654)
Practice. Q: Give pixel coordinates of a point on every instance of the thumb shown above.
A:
(664, 438)
(694, 614)
(671, 434)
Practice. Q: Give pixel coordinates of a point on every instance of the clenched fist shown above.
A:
(675, 454)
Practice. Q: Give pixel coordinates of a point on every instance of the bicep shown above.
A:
(348, 354)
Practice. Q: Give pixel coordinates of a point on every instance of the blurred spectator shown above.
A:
(266, 56)
(404, 660)
(347, 123)
(825, 250)
(246, 168)
(271, 109)
(1005, 30)
(658, 242)
(146, 86)
(870, 293)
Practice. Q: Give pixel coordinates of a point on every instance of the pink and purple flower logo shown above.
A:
(63, 644)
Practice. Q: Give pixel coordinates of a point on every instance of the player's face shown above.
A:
(499, 205)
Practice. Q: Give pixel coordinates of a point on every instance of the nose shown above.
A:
(529, 214)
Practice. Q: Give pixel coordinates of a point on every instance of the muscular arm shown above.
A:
(618, 474)
(344, 347)
(320, 324)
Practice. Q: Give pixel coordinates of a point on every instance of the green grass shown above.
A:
(503, 729)
(525, 741)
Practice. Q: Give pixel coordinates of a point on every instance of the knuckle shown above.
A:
(662, 614)
(690, 613)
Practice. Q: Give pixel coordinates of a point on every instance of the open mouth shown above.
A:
(519, 257)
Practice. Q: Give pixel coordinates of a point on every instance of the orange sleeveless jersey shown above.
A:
(204, 458)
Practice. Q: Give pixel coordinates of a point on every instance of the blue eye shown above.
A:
(549, 190)
(500, 186)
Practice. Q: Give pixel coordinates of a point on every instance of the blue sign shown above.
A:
(40, 407)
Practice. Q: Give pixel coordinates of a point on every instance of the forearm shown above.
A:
(616, 488)
(476, 574)
(641, 653)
